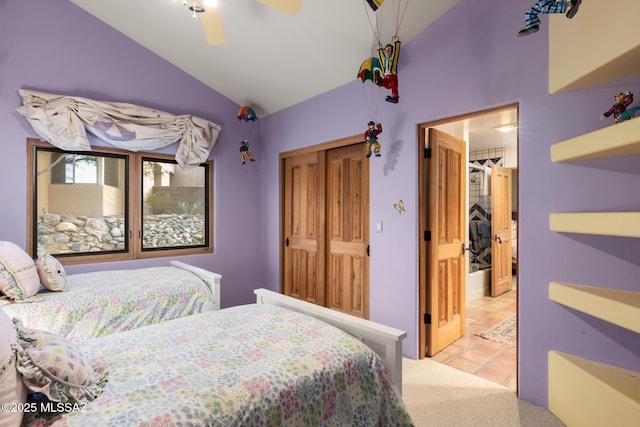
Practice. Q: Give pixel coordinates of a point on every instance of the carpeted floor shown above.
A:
(437, 395)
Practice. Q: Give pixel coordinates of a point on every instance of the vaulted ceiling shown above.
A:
(271, 60)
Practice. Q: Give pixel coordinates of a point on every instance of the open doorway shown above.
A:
(487, 294)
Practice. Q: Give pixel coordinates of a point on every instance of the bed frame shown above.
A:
(212, 279)
(384, 340)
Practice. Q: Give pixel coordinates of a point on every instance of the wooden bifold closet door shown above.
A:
(303, 274)
(326, 228)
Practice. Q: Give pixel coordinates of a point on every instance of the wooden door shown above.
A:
(501, 230)
(446, 269)
(348, 231)
(304, 225)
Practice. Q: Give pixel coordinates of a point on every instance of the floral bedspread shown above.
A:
(250, 365)
(104, 302)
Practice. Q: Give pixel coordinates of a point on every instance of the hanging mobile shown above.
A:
(371, 139)
(247, 114)
(244, 151)
(389, 53)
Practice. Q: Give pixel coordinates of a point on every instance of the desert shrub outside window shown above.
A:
(109, 204)
(174, 205)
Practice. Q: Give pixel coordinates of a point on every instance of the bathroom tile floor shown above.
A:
(487, 359)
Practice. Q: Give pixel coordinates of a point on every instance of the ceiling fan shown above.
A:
(211, 20)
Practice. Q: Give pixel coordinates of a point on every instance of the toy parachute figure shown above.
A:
(371, 70)
(388, 56)
(389, 53)
(371, 138)
(532, 22)
(247, 114)
(619, 110)
(244, 151)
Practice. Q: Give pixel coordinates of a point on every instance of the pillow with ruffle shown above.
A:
(55, 367)
(18, 274)
(51, 273)
(12, 390)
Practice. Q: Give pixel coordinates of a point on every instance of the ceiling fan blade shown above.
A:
(212, 25)
(287, 6)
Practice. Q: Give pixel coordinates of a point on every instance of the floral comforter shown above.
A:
(250, 365)
(104, 302)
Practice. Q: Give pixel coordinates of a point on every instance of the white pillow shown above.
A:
(18, 274)
(51, 273)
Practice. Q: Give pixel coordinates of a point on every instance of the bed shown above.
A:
(105, 302)
(278, 362)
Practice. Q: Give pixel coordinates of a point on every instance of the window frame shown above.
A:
(133, 210)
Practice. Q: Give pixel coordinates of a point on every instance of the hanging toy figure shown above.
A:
(532, 22)
(388, 56)
(619, 110)
(244, 151)
(371, 138)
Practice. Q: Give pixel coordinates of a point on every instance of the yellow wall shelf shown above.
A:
(599, 44)
(586, 393)
(616, 306)
(618, 139)
(623, 224)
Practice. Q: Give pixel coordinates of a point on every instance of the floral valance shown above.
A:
(64, 120)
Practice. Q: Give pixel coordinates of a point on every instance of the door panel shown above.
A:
(347, 231)
(326, 228)
(501, 279)
(446, 271)
(303, 269)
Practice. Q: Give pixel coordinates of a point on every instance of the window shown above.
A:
(108, 205)
(174, 205)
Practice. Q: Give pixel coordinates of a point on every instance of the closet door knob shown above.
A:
(463, 249)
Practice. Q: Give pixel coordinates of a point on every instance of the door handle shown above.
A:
(286, 242)
(498, 239)
(463, 249)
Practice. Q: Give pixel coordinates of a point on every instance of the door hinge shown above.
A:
(368, 250)
(427, 319)
(427, 235)
(427, 153)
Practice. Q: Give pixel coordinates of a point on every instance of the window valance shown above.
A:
(63, 121)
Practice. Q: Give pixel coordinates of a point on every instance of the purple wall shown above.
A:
(468, 61)
(471, 60)
(56, 47)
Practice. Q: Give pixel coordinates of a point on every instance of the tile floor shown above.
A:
(487, 359)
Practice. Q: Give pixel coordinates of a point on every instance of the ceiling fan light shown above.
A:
(196, 9)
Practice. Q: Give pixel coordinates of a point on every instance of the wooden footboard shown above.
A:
(384, 340)
(212, 279)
